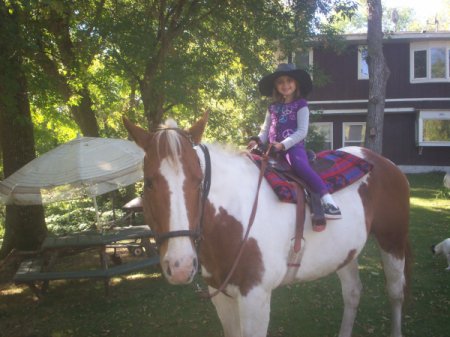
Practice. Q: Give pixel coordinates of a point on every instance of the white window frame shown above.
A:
(430, 115)
(427, 46)
(362, 62)
(329, 126)
(344, 125)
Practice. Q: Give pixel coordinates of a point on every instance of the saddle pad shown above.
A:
(346, 169)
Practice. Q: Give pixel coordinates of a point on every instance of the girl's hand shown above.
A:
(278, 146)
(251, 144)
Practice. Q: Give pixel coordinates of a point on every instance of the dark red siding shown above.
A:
(343, 84)
(399, 139)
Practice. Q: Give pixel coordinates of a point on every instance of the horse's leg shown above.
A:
(255, 312)
(228, 311)
(394, 270)
(351, 293)
(244, 316)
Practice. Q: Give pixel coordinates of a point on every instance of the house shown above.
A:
(417, 110)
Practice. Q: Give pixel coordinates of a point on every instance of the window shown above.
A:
(304, 58)
(433, 128)
(363, 66)
(325, 129)
(420, 64)
(430, 62)
(353, 133)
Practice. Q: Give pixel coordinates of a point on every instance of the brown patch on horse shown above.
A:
(222, 235)
(386, 204)
(350, 256)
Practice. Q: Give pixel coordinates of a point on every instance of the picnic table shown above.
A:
(38, 271)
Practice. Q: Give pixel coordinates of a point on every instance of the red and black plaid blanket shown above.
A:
(345, 169)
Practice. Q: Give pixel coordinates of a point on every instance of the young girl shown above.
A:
(286, 126)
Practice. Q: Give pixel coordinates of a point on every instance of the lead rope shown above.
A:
(265, 159)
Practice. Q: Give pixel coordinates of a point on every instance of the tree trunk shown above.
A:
(25, 226)
(378, 77)
(153, 102)
(69, 53)
(84, 115)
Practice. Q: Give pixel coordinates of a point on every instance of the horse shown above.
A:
(198, 200)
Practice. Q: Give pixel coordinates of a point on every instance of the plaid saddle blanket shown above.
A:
(338, 169)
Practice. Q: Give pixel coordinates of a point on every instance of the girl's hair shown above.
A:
(278, 98)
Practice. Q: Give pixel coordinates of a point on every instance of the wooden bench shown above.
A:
(32, 271)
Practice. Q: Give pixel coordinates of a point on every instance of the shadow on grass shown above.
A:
(144, 306)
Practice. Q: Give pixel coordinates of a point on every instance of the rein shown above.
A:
(249, 226)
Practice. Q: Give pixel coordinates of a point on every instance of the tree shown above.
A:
(92, 61)
(378, 77)
(64, 45)
(24, 227)
(175, 50)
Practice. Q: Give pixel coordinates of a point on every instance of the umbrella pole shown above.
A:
(97, 217)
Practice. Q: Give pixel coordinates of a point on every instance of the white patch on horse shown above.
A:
(178, 219)
(230, 193)
(321, 255)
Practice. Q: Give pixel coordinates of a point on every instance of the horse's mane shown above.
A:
(169, 136)
(168, 141)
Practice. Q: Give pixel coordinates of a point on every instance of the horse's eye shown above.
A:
(148, 183)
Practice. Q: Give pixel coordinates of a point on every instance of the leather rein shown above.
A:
(265, 160)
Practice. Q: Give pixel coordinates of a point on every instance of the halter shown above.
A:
(206, 168)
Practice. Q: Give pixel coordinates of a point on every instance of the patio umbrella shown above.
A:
(83, 167)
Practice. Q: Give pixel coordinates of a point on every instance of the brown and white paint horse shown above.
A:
(174, 171)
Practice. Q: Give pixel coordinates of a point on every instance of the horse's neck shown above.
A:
(232, 172)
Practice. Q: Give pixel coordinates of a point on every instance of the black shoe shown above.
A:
(331, 212)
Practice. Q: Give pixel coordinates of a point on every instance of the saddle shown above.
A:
(337, 169)
(289, 186)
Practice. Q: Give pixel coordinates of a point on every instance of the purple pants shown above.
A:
(298, 159)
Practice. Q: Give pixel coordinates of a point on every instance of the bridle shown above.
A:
(196, 233)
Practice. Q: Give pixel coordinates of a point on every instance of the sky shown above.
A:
(423, 8)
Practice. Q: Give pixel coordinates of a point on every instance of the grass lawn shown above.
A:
(145, 305)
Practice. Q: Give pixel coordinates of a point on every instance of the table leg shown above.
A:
(104, 264)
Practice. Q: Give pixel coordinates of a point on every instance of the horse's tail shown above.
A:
(408, 271)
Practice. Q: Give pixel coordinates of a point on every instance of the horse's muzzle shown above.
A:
(179, 270)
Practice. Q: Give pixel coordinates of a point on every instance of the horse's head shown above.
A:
(172, 195)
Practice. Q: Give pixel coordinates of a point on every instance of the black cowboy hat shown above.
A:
(266, 84)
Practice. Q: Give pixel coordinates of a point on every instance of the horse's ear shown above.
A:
(139, 135)
(196, 130)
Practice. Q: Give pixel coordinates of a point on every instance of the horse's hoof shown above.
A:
(318, 228)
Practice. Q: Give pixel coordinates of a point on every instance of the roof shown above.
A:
(402, 36)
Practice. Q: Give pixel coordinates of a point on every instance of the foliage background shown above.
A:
(87, 63)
